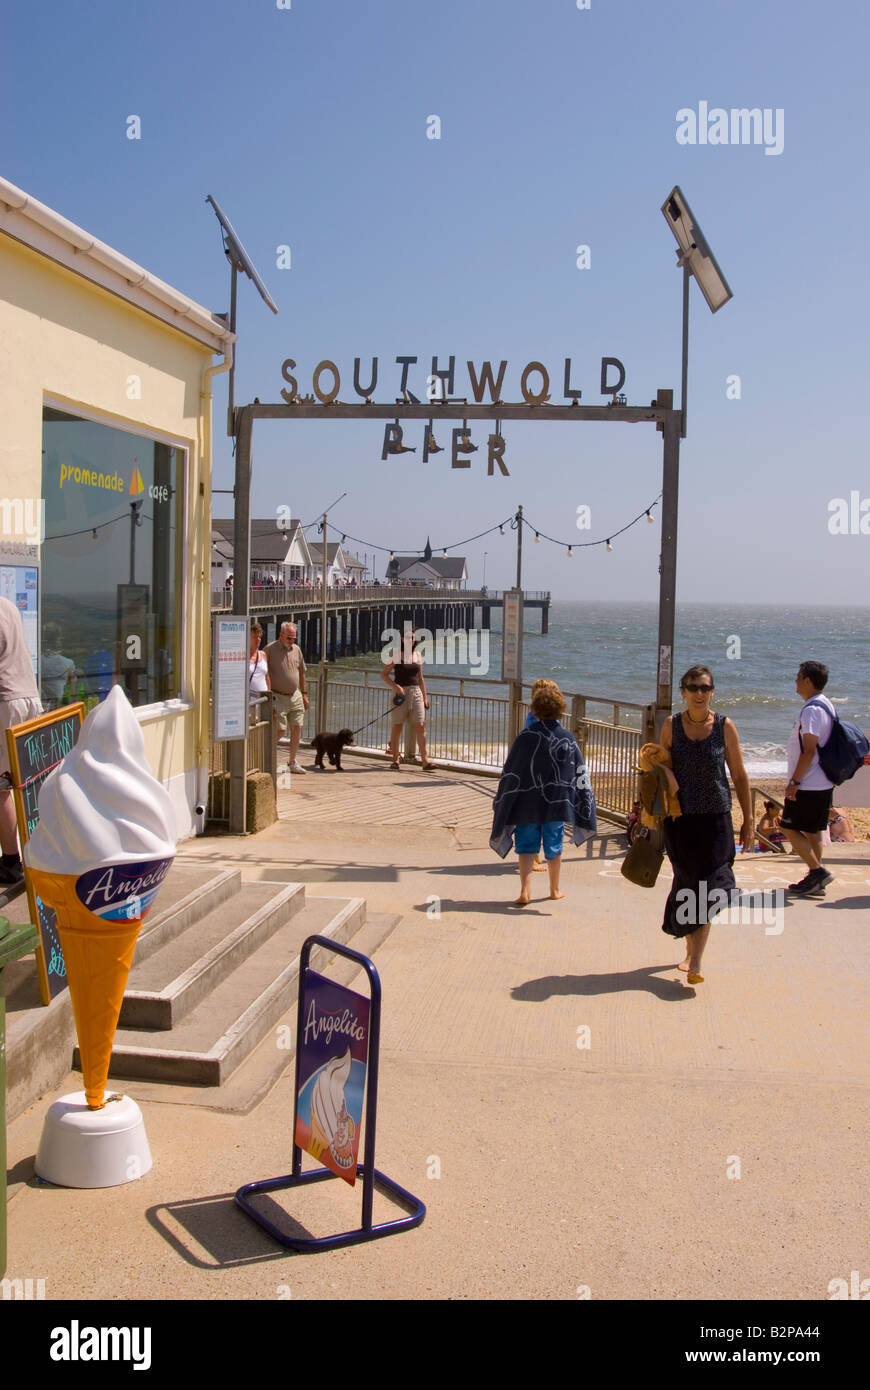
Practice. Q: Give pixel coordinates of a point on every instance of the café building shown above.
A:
(106, 379)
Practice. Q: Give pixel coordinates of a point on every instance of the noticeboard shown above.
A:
(512, 635)
(35, 750)
(332, 1052)
(231, 659)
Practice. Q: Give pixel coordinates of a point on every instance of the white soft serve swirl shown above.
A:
(102, 805)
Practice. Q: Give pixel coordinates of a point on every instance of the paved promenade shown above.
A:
(574, 1116)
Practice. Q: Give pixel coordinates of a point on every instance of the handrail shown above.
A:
(336, 675)
(267, 595)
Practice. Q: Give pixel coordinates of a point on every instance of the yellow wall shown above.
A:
(65, 338)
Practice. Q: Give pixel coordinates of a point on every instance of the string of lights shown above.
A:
(99, 526)
(571, 546)
(512, 522)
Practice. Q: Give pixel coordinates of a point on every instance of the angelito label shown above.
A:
(123, 891)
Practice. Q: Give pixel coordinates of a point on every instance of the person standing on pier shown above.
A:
(700, 842)
(287, 680)
(405, 678)
(544, 786)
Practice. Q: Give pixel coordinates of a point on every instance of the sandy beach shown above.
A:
(858, 816)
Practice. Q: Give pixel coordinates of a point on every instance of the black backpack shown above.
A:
(845, 751)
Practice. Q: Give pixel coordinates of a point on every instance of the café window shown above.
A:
(111, 560)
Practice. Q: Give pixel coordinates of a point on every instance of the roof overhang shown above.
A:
(43, 230)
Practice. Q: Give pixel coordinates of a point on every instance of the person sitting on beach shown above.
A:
(840, 827)
(768, 826)
(544, 786)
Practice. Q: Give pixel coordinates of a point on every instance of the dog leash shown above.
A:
(397, 700)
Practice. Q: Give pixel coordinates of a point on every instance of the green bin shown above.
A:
(15, 941)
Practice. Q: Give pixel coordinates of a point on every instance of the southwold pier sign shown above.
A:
(441, 404)
(440, 389)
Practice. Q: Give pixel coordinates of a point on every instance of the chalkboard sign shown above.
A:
(35, 749)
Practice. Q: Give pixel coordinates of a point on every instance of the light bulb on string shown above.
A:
(570, 553)
(537, 538)
(650, 518)
(609, 546)
(501, 530)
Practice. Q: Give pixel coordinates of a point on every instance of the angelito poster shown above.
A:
(333, 1052)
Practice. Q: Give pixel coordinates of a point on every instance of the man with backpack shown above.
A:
(810, 789)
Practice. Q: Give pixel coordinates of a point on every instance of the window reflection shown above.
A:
(110, 560)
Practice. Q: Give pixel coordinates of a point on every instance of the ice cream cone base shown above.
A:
(82, 1147)
(98, 954)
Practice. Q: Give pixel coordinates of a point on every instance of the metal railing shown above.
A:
(305, 596)
(467, 730)
(471, 730)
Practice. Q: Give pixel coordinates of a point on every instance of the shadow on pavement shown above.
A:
(537, 991)
(221, 1231)
(466, 905)
(858, 904)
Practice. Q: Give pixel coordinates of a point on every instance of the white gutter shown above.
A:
(33, 224)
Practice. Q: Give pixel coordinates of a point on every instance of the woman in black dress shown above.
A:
(700, 842)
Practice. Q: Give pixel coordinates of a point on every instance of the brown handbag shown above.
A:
(644, 859)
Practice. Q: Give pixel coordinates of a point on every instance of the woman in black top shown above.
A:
(405, 678)
(700, 842)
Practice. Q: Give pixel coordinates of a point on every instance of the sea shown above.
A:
(608, 650)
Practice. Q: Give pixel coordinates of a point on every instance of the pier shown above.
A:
(356, 617)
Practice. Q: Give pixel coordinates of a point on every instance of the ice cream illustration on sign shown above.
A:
(331, 1126)
(104, 843)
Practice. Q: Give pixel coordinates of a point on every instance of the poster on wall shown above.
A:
(230, 678)
(331, 1073)
(19, 583)
(512, 636)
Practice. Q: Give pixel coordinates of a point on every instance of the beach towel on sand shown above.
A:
(544, 779)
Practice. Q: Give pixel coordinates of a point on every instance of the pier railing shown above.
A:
(264, 596)
(467, 728)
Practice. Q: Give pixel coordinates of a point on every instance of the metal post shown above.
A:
(685, 382)
(520, 547)
(232, 374)
(668, 561)
(237, 749)
(321, 702)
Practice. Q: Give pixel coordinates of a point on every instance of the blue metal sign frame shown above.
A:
(366, 1171)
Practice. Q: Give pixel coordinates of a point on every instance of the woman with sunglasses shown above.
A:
(700, 842)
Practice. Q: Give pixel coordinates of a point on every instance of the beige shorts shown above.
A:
(291, 710)
(14, 712)
(412, 711)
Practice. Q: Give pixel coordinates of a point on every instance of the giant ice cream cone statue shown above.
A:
(103, 845)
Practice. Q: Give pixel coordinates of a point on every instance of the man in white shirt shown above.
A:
(809, 792)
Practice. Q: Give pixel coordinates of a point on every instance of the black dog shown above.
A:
(331, 745)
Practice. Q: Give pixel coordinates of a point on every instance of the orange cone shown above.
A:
(98, 954)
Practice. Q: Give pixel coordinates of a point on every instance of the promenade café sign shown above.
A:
(440, 387)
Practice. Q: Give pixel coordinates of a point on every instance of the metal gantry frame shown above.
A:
(661, 413)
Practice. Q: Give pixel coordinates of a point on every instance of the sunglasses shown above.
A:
(699, 689)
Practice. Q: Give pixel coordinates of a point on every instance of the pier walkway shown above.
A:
(575, 1117)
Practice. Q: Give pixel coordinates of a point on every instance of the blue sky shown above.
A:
(558, 128)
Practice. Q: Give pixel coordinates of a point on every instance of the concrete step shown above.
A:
(169, 983)
(224, 1028)
(267, 1062)
(186, 896)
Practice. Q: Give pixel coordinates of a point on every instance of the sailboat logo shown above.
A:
(136, 483)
